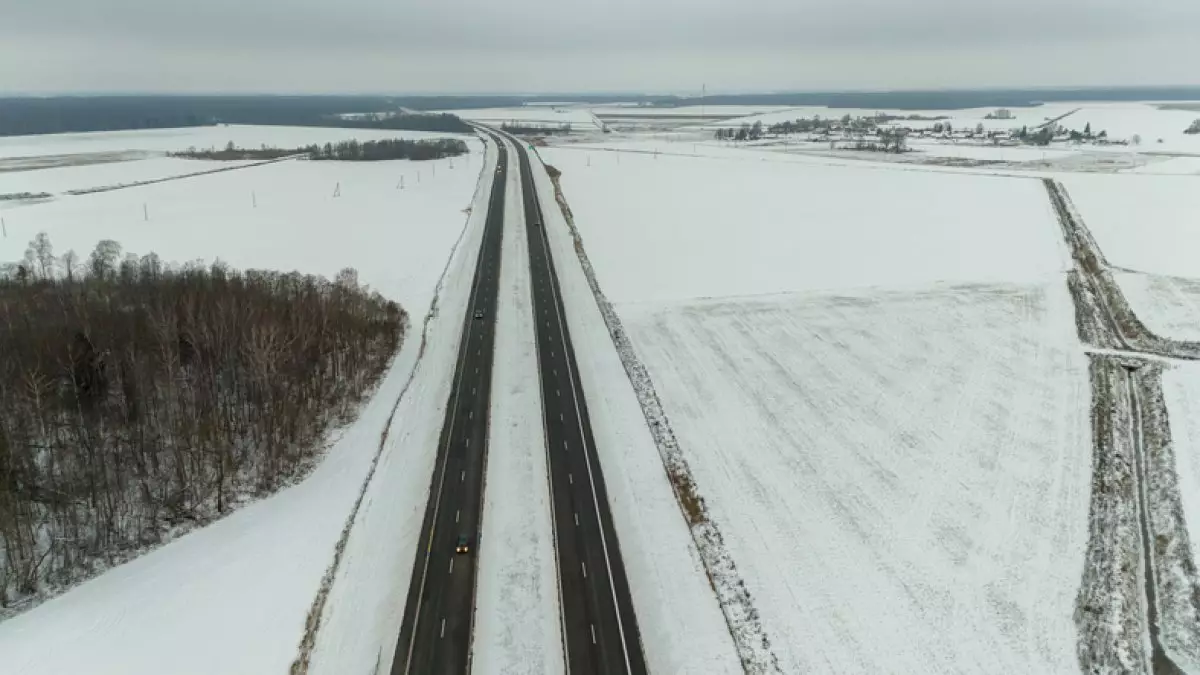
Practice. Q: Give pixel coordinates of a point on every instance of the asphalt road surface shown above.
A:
(600, 630)
(435, 635)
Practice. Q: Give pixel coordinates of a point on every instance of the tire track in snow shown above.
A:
(312, 624)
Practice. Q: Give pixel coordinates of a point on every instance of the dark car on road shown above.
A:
(463, 544)
(479, 314)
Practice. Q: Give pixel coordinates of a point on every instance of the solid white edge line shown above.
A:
(579, 419)
(453, 415)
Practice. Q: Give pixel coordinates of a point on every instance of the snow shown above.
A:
(682, 627)
(546, 115)
(685, 111)
(362, 618)
(1181, 388)
(517, 614)
(174, 140)
(693, 227)
(1143, 222)
(1169, 306)
(966, 118)
(232, 597)
(902, 477)
(61, 179)
(277, 216)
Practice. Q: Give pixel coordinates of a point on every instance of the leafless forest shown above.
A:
(138, 398)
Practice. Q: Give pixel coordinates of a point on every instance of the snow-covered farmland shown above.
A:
(902, 477)
(1181, 388)
(1142, 222)
(277, 216)
(688, 227)
(1169, 306)
(233, 597)
(576, 116)
(174, 140)
(961, 119)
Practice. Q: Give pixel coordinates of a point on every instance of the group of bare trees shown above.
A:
(347, 151)
(137, 397)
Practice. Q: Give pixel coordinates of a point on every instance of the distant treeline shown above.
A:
(38, 115)
(346, 151)
(20, 116)
(531, 129)
(136, 397)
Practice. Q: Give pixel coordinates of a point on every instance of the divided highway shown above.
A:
(435, 635)
(600, 632)
(600, 629)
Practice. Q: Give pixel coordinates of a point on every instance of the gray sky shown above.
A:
(453, 46)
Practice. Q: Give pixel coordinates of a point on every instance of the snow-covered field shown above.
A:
(693, 227)
(960, 119)
(535, 114)
(682, 627)
(278, 216)
(62, 179)
(1143, 222)
(1169, 306)
(174, 140)
(232, 597)
(1181, 388)
(903, 477)
(901, 466)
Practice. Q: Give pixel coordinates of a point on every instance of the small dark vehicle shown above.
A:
(463, 545)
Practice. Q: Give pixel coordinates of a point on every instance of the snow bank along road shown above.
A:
(600, 632)
(435, 635)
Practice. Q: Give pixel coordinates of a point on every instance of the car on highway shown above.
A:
(479, 314)
(463, 544)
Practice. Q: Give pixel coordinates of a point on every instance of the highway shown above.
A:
(435, 634)
(600, 629)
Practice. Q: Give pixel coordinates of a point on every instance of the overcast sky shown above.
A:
(457, 46)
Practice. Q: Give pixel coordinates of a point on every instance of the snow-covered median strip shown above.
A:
(517, 613)
(673, 562)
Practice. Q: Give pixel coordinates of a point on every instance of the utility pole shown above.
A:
(703, 95)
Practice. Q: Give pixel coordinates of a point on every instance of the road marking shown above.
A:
(471, 415)
(451, 566)
(476, 369)
(565, 445)
(472, 390)
(444, 632)
(593, 633)
(560, 417)
(576, 519)
(463, 476)
(551, 353)
(555, 371)
(557, 393)
(459, 513)
(571, 478)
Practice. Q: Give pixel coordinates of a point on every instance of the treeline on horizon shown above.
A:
(346, 151)
(138, 397)
(30, 116)
(42, 115)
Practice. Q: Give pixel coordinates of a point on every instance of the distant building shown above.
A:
(1000, 114)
